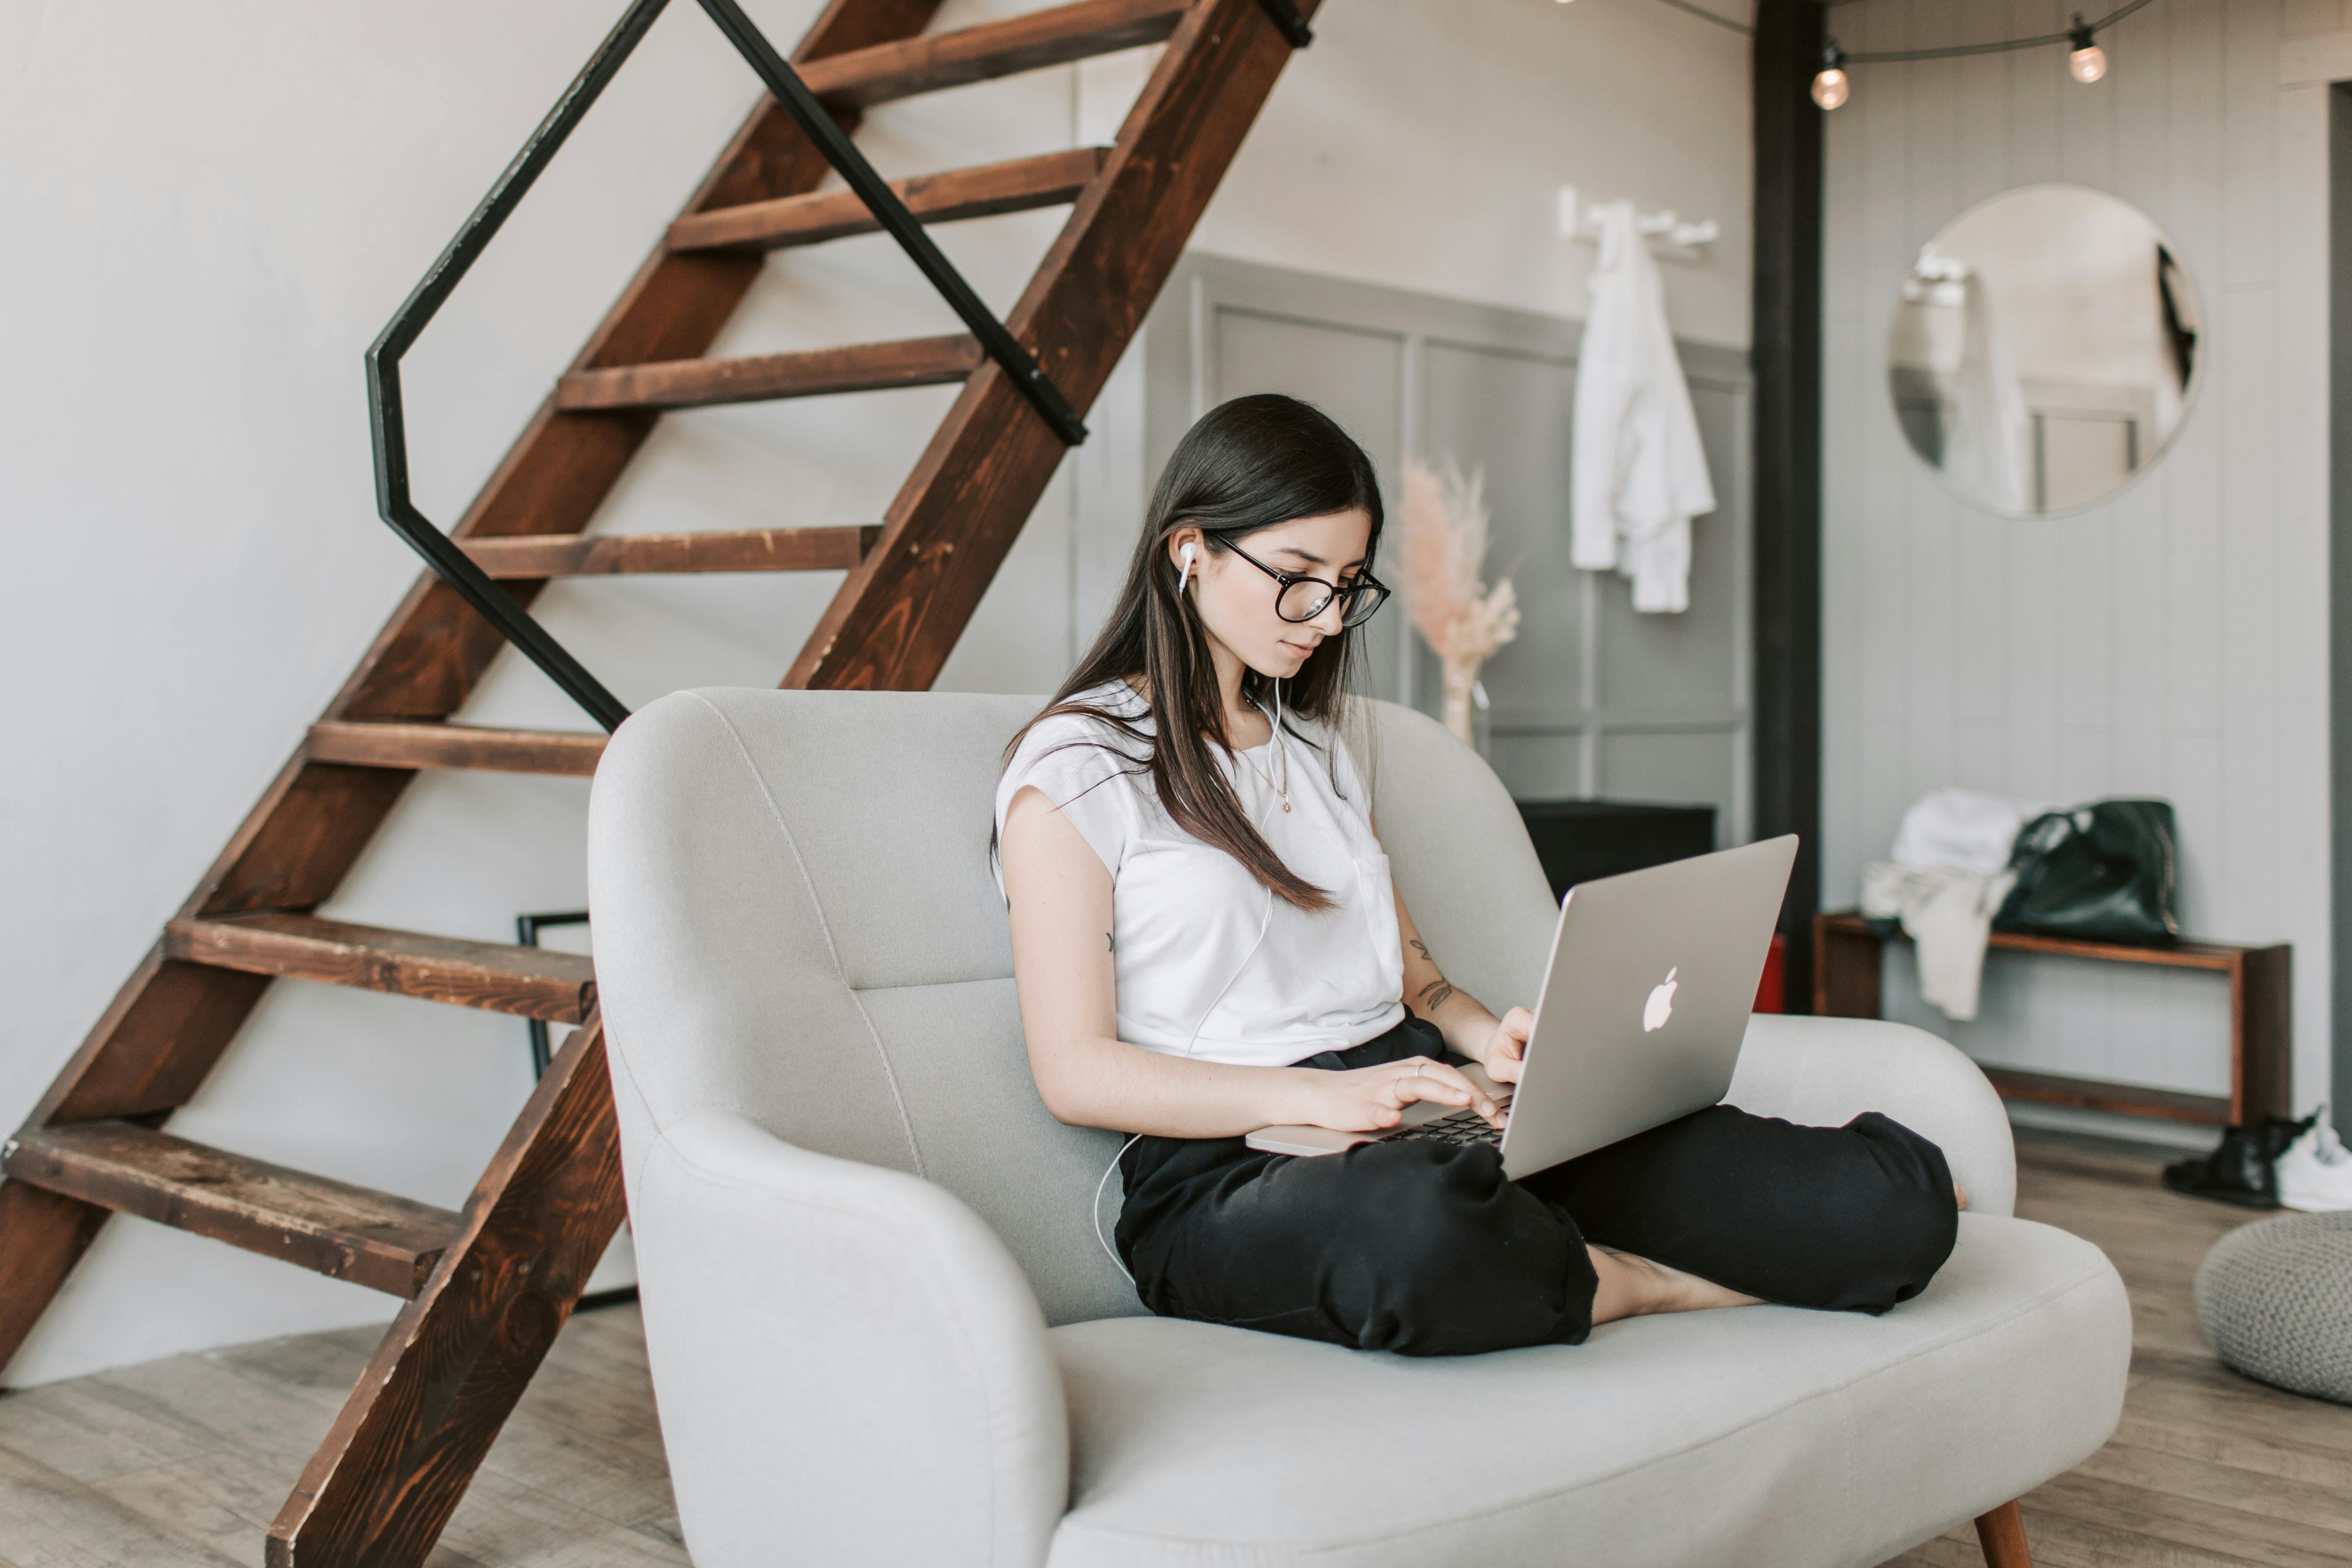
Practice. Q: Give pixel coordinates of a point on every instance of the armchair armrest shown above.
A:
(1823, 1072)
(850, 1367)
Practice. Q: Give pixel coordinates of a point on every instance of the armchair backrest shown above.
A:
(795, 921)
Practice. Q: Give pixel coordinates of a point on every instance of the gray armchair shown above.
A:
(883, 1331)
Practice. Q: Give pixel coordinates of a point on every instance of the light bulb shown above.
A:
(2086, 62)
(1832, 86)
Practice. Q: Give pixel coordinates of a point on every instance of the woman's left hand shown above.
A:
(1506, 1048)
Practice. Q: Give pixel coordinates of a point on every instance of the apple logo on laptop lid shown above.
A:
(1660, 1004)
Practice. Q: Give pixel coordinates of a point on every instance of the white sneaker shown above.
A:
(2315, 1173)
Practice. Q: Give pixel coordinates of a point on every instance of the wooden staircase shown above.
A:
(488, 1289)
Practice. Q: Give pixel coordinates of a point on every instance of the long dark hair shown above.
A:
(1247, 465)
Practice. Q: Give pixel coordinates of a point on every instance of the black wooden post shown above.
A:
(1788, 364)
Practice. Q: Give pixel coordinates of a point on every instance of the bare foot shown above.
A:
(1633, 1286)
(1960, 1193)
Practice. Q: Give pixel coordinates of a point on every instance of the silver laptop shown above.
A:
(1644, 1003)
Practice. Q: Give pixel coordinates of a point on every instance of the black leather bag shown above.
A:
(2103, 872)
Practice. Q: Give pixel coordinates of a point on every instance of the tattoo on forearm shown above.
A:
(1415, 943)
(1110, 940)
(1433, 995)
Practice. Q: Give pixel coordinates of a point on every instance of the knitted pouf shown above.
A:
(2276, 1301)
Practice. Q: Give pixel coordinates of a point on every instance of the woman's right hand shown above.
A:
(1372, 1100)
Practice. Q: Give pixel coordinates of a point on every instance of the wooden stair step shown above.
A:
(1028, 42)
(330, 1228)
(538, 983)
(420, 1420)
(808, 373)
(532, 557)
(392, 743)
(1017, 185)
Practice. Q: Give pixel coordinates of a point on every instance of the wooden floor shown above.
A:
(182, 1462)
(2208, 1470)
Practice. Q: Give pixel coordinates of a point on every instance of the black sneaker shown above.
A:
(2243, 1170)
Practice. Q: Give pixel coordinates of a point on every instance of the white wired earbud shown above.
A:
(1185, 553)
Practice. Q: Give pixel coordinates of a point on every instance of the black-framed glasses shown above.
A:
(1304, 599)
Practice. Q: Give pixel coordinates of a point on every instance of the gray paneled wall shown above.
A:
(1591, 699)
(2170, 641)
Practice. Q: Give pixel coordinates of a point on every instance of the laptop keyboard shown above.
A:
(1462, 1129)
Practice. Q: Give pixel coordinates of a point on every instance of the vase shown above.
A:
(1461, 680)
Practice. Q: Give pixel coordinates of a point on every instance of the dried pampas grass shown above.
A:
(1463, 622)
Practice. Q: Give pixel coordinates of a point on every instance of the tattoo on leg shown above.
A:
(1434, 994)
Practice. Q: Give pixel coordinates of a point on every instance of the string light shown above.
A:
(2087, 62)
(1831, 86)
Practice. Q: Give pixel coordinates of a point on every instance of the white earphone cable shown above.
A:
(1265, 922)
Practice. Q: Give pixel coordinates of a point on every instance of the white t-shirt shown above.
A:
(1187, 916)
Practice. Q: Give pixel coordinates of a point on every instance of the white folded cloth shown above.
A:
(1946, 879)
(1948, 910)
(1960, 827)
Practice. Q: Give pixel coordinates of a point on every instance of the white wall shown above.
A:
(1420, 145)
(212, 212)
(2172, 641)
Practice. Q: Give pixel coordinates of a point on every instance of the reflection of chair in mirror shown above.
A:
(2043, 351)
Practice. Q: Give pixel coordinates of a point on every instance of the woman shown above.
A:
(1206, 940)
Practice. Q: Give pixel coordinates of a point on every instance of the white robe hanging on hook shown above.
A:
(1639, 472)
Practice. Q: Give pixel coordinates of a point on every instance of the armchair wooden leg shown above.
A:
(2002, 1533)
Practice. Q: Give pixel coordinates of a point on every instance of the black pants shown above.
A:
(1424, 1248)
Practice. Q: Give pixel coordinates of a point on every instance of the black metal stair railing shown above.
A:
(389, 429)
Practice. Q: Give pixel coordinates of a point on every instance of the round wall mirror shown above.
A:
(2046, 347)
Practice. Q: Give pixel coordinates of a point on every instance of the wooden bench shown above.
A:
(1845, 985)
